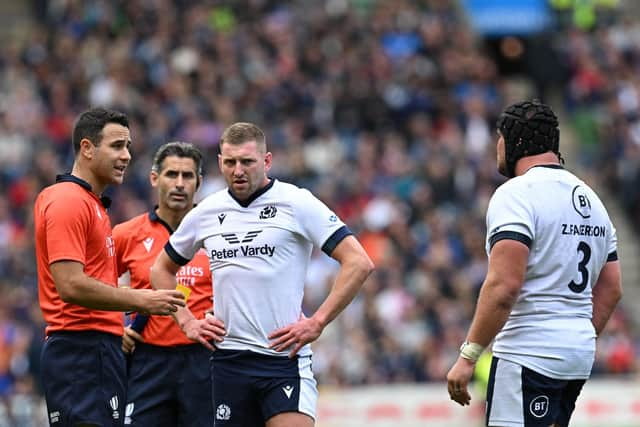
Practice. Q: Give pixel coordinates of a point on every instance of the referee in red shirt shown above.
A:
(83, 368)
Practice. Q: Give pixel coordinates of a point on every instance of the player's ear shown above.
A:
(198, 181)
(268, 157)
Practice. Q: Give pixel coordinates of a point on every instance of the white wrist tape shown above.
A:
(471, 351)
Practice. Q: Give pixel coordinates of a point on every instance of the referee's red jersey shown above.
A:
(138, 243)
(72, 224)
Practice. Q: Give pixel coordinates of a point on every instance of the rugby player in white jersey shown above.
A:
(259, 233)
(552, 283)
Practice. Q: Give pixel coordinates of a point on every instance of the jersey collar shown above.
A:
(255, 195)
(153, 217)
(550, 166)
(67, 177)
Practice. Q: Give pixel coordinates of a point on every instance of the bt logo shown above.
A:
(581, 202)
(539, 406)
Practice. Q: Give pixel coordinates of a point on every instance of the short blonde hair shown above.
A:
(241, 132)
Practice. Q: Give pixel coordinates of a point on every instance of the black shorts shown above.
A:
(520, 397)
(84, 378)
(249, 388)
(169, 387)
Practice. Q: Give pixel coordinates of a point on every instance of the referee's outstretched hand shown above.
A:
(160, 302)
(296, 335)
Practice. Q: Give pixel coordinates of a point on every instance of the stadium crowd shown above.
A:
(602, 99)
(386, 110)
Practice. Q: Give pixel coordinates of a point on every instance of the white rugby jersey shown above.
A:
(259, 252)
(570, 238)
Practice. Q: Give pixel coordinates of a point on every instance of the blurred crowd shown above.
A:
(385, 110)
(602, 99)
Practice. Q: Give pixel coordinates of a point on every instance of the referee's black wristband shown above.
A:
(139, 322)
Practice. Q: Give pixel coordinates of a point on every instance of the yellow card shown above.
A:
(186, 291)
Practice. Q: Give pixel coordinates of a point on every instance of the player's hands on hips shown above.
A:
(205, 330)
(296, 335)
(160, 302)
(129, 340)
(458, 379)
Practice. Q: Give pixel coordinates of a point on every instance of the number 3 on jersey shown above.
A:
(582, 268)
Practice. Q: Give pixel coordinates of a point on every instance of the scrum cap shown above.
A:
(528, 128)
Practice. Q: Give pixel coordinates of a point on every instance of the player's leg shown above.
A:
(195, 401)
(518, 396)
(548, 401)
(83, 374)
(234, 397)
(504, 395)
(289, 398)
(568, 402)
(151, 388)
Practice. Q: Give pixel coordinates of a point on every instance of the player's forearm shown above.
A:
(183, 316)
(602, 311)
(500, 290)
(492, 311)
(161, 278)
(606, 294)
(350, 279)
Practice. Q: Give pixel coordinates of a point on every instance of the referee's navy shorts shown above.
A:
(520, 397)
(84, 379)
(169, 387)
(249, 388)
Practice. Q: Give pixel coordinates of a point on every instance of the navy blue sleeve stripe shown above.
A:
(175, 256)
(336, 238)
(613, 256)
(509, 235)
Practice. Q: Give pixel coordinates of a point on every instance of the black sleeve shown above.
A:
(510, 235)
(335, 238)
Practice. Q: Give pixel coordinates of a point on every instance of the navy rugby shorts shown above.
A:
(169, 387)
(249, 388)
(520, 397)
(84, 378)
